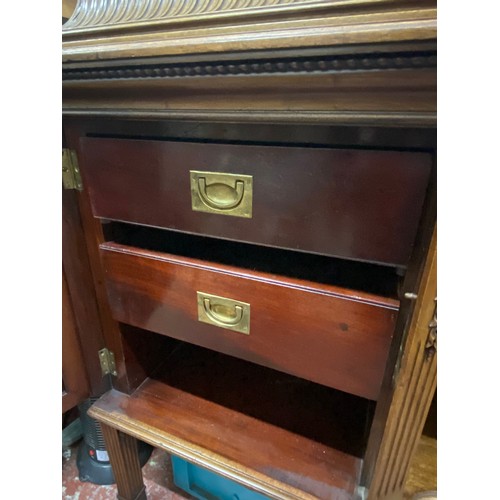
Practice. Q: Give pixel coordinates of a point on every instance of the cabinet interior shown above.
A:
(333, 418)
(366, 277)
(302, 434)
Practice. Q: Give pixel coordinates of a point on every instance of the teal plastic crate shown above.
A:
(208, 485)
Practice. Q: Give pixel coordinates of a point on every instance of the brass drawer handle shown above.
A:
(223, 312)
(226, 194)
(225, 197)
(222, 316)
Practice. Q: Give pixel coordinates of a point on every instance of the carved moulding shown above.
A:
(94, 13)
(374, 59)
(359, 62)
(101, 30)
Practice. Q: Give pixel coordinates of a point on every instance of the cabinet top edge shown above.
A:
(99, 30)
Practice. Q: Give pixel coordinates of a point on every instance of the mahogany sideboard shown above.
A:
(256, 185)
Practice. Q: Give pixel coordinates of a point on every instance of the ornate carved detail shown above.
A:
(361, 62)
(93, 13)
(431, 343)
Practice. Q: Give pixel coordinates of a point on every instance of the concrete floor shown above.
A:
(157, 475)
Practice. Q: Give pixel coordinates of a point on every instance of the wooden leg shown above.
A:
(124, 458)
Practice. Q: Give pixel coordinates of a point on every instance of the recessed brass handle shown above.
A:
(223, 312)
(221, 193)
(223, 316)
(220, 196)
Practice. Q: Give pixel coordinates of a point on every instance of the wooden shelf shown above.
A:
(203, 408)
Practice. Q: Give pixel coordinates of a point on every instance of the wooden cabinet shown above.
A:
(258, 210)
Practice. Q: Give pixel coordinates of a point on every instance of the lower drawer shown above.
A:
(323, 333)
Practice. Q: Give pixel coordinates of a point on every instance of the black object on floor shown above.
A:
(92, 460)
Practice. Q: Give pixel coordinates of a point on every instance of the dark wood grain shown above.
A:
(324, 333)
(124, 457)
(330, 417)
(362, 205)
(288, 458)
(75, 382)
(82, 295)
(291, 134)
(143, 351)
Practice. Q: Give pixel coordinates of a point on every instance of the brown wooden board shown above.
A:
(82, 298)
(74, 375)
(414, 387)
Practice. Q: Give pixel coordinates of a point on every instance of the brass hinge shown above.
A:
(430, 344)
(107, 359)
(70, 171)
(361, 493)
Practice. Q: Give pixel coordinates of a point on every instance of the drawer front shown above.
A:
(323, 333)
(362, 205)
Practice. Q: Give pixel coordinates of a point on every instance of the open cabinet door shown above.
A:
(75, 386)
(405, 411)
(81, 326)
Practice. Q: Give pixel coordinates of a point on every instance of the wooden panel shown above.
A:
(75, 383)
(324, 333)
(143, 352)
(414, 387)
(326, 136)
(411, 283)
(81, 287)
(353, 204)
(333, 418)
(396, 97)
(277, 434)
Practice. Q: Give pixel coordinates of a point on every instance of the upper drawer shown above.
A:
(362, 205)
